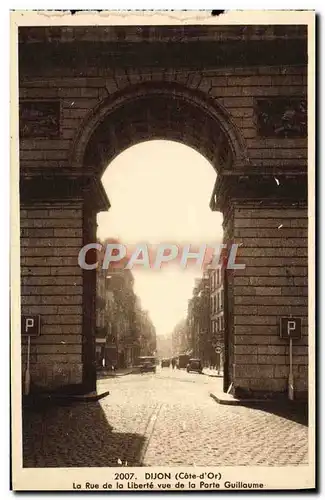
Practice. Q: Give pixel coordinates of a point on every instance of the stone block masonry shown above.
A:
(51, 285)
(237, 91)
(273, 284)
(231, 106)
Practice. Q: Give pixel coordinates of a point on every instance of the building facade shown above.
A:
(181, 339)
(147, 332)
(217, 326)
(164, 346)
(198, 319)
(117, 332)
(106, 346)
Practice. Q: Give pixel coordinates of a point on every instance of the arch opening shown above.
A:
(165, 112)
(159, 192)
(158, 112)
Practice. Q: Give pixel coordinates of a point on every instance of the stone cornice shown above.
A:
(251, 186)
(159, 34)
(195, 54)
(61, 187)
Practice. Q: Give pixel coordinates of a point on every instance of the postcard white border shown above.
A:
(300, 477)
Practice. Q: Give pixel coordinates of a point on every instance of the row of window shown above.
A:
(218, 324)
(215, 279)
(217, 302)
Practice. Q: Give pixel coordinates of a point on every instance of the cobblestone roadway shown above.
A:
(162, 419)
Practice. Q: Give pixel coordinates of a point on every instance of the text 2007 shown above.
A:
(124, 475)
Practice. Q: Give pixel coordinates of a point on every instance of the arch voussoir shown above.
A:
(175, 106)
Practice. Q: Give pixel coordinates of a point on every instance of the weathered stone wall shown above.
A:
(52, 282)
(274, 284)
(236, 89)
(52, 286)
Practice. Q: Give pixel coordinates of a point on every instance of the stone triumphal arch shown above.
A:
(236, 94)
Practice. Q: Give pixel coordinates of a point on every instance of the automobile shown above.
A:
(147, 364)
(182, 361)
(165, 363)
(194, 365)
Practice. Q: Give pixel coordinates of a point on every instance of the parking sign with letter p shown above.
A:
(290, 328)
(30, 326)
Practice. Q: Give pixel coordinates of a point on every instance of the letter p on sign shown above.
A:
(290, 328)
(30, 326)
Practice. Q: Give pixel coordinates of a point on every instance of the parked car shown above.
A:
(165, 363)
(147, 364)
(194, 365)
(182, 361)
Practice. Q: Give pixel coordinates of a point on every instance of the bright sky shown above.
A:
(160, 192)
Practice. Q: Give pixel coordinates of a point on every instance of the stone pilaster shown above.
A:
(268, 218)
(58, 216)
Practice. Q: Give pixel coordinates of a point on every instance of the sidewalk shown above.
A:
(60, 398)
(117, 373)
(212, 373)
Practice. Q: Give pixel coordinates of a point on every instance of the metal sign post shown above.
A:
(30, 327)
(290, 328)
(27, 373)
(290, 381)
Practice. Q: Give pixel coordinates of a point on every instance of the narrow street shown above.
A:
(161, 419)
